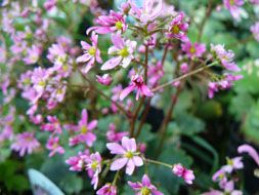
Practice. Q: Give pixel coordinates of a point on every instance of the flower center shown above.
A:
(145, 191)
(94, 165)
(84, 130)
(119, 25)
(175, 29)
(65, 67)
(129, 155)
(124, 52)
(192, 50)
(92, 51)
(232, 2)
(41, 83)
(230, 162)
(26, 81)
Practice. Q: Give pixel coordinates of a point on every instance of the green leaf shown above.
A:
(189, 124)
(71, 184)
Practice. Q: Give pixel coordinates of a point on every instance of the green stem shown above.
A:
(158, 163)
(183, 76)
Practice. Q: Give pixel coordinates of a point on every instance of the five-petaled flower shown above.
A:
(144, 188)
(122, 52)
(91, 53)
(137, 83)
(85, 129)
(128, 155)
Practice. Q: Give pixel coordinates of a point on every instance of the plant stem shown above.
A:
(183, 77)
(115, 178)
(158, 163)
(128, 114)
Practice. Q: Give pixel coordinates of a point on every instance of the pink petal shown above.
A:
(92, 125)
(115, 148)
(117, 41)
(126, 91)
(84, 117)
(112, 63)
(146, 180)
(130, 167)
(118, 164)
(90, 139)
(250, 150)
(146, 91)
(138, 161)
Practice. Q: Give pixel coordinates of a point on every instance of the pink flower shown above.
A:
(85, 129)
(151, 9)
(114, 22)
(234, 7)
(184, 68)
(91, 53)
(255, 30)
(137, 84)
(155, 73)
(250, 150)
(226, 58)
(122, 52)
(107, 189)
(256, 2)
(25, 143)
(193, 50)
(129, 156)
(146, 187)
(54, 147)
(53, 125)
(33, 55)
(217, 192)
(93, 166)
(114, 136)
(178, 28)
(77, 163)
(183, 172)
(49, 4)
(225, 83)
(106, 79)
(233, 164)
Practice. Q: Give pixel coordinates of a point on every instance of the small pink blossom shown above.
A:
(234, 6)
(250, 150)
(49, 4)
(150, 10)
(93, 166)
(184, 68)
(233, 164)
(107, 189)
(54, 147)
(178, 28)
(91, 53)
(77, 163)
(183, 172)
(122, 51)
(144, 188)
(85, 129)
(53, 125)
(155, 73)
(106, 79)
(25, 143)
(137, 84)
(193, 50)
(114, 22)
(33, 55)
(128, 155)
(255, 31)
(225, 57)
(114, 136)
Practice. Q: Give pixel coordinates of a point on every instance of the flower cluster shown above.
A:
(89, 100)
